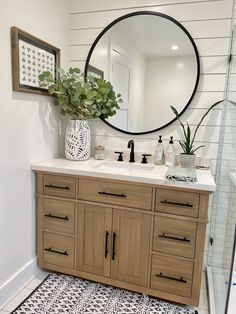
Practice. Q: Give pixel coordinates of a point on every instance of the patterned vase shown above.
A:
(77, 140)
(187, 160)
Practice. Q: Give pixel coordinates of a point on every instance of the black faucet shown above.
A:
(131, 145)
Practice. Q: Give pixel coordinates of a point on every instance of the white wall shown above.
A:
(209, 23)
(164, 74)
(29, 132)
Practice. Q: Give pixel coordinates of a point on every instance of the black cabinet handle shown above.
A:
(112, 194)
(171, 278)
(56, 217)
(106, 243)
(113, 246)
(56, 251)
(163, 235)
(56, 187)
(176, 203)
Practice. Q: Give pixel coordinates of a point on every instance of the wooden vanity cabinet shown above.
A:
(94, 239)
(131, 233)
(113, 243)
(140, 237)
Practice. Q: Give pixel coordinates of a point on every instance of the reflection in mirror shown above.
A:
(151, 60)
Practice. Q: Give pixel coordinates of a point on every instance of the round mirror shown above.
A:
(153, 62)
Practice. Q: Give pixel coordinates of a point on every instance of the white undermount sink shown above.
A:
(123, 166)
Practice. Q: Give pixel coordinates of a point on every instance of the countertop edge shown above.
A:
(124, 177)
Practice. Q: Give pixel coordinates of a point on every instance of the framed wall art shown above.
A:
(95, 72)
(30, 57)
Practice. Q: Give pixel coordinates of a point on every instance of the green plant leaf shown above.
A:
(232, 102)
(81, 98)
(61, 71)
(193, 151)
(188, 136)
(203, 117)
(177, 116)
(185, 149)
(74, 70)
(187, 145)
(41, 77)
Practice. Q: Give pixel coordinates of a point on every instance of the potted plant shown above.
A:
(80, 99)
(188, 157)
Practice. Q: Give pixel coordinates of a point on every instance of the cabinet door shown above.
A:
(130, 246)
(94, 234)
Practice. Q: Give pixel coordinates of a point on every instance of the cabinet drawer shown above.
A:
(174, 236)
(58, 216)
(58, 250)
(61, 186)
(172, 275)
(177, 202)
(115, 193)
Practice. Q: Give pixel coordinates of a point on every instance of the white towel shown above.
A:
(181, 174)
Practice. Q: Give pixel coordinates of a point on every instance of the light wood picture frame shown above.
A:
(95, 72)
(30, 57)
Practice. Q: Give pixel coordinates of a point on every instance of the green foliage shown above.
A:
(188, 143)
(81, 98)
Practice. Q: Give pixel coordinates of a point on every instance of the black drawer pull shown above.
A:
(56, 251)
(176, 203)
(163, 235)
(56, 217)
(112, 194)
(113, 246)
(171, 278)
(106, 243)
(56, 187)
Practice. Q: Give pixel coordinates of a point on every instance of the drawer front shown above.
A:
(174, 236)
(59, 216)
(115, 193)
(177, 202)
(61, 186)
(172, 275)
(58, 250)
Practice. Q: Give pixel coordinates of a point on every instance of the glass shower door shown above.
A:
(223, 216)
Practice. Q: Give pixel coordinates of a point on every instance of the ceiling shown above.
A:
(154, 36)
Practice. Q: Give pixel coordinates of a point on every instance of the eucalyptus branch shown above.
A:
(79, 98)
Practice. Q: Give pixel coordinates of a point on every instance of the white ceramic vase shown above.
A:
(187, 160)
(77, 140)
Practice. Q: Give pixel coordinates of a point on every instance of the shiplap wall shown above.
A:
(209, 23)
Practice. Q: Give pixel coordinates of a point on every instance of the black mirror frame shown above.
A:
(168, 18)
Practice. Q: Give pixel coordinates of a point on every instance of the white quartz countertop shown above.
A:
(134, 172)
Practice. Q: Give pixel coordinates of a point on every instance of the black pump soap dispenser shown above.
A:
(159, 152)
(170, 154)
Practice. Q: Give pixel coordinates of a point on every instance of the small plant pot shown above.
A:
(187, 160)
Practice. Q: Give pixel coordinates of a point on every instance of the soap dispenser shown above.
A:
(170, 154)
(159, 152)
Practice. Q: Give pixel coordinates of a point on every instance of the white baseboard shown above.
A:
(19, 279)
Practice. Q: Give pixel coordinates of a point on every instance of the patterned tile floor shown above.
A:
(26, 290)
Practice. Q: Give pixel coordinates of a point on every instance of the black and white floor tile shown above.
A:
(96, 294)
